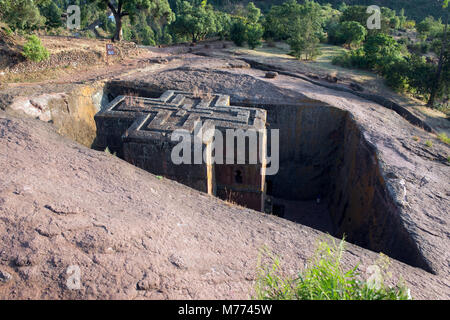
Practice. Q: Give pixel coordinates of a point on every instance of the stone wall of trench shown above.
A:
(324, 154)
(361, 206)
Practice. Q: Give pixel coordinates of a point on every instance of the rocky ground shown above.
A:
(135, 236)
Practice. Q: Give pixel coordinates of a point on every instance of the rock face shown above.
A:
(81, 224)
(70, 110)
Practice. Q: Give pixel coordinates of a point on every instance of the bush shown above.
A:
(352, 32)
(352, 59)
(443, 137)
(380, 49)
(238, 33)
(326, 279)
(396, 75)
(34, 50)
(254, 35)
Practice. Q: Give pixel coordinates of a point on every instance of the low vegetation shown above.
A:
(325, 278)
(34, 50)
(444, 138)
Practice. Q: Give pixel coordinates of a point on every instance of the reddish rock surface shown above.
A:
(132, 235)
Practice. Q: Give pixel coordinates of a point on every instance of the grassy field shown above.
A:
(322, 64)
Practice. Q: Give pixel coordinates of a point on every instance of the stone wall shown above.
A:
(323, 153)
(361, 206)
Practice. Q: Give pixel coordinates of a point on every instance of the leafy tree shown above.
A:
(402, 19)
(359, 14)
(352, 32)
(196, 21)
(254, 35)
(21, 14)
(52, 14)
(306, 31)
(429, 28)
(149, 29)
(253, 13)
(279, 22)
(131, 8)
(443, 65)
(300, 24)
(223, 25)
(420, 75)
(238, 33)
(247, 28)
(380, 50)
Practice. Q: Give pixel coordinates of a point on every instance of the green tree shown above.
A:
(131, 8)
(223, 25)
(359, 14)
(352, 32)
(254, 35)
(443, 64)
(402, 19)
(306, 31)
(52, 14)
(380, 50)
(279, 22)
(253, 13)
(300, 24)
(246, 28)
(196, 21)
(238, 33)
(21, 14)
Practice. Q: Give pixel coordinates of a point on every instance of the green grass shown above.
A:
(109, 152)
(428, 143)
(325, 278)
(443, 137)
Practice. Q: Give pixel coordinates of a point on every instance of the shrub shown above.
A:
(89, 34)
(380, 49)
(396, 75)
(443, 137)
(352, 59)
(352, 32)
(34, 50)
(326, 279)
(238, 33)
(254, 35)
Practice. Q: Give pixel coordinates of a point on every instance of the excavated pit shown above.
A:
(329, 176)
